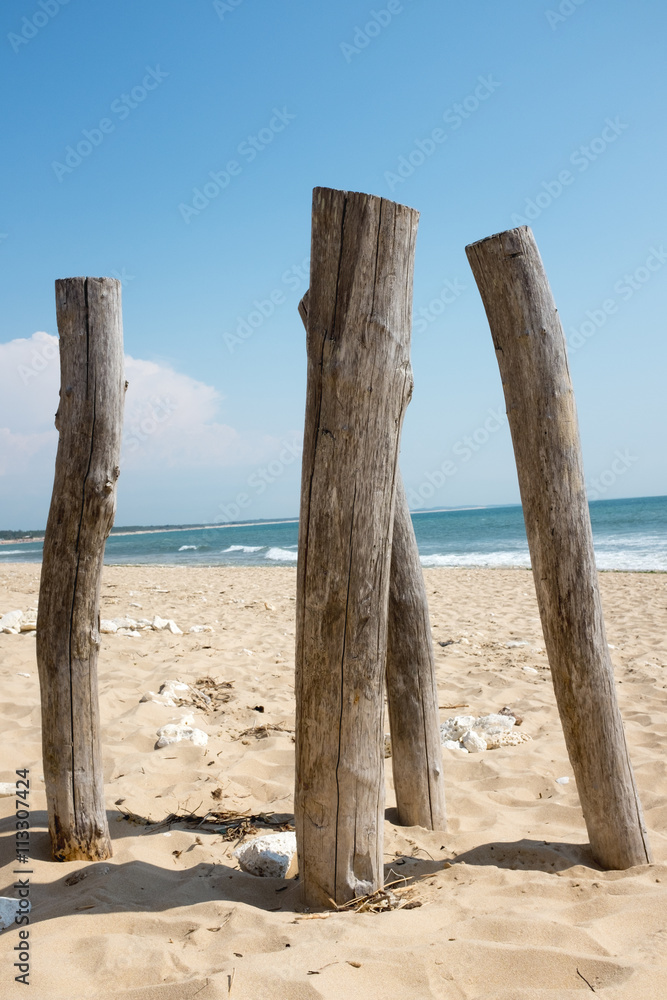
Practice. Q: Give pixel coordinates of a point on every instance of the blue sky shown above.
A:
(298, 95)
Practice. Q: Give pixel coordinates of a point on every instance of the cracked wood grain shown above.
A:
(89, 421)
(359, 384)
(532, 356)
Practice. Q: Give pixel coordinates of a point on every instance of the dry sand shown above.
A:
(513, 908)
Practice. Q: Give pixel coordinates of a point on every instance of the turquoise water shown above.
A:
(628, 534)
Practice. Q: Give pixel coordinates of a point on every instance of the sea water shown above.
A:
(628, 535)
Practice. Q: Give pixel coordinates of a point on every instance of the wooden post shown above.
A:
(89, 421)
(359, 384)
(412, 692)
(532, 356)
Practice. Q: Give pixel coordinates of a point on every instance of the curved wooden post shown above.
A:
(359, 384)
(89, 420)
(412, 692)
(532, 356)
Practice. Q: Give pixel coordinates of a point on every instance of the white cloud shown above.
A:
(170, 418)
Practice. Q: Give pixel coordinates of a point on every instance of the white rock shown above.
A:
(490, 722)
(129, 631)
(563, 781)
(513, 644)
(11, 622)
(107, 627)
(8, 909)
(28, 624)
(173, 627)
(453, 729)
(22, 673)
(472, 742)
(529, 670)
(248, 652)
(269, 856)
(124, 622)
(7, 789)
(200, 628)
(159, 623)
(453, 745)
(176, 732)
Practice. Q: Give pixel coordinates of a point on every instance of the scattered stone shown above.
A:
(492, 722)
(472, 742)
(132, 632)
(488, 732)
(453, 729)
(269, 607)
(9, 909)
(11, 622)
(168, 624)
(529, 670)
(28, 624)
(563, 781)
(518, 719)
(513, 644)
(269, 856)
(107, 627)
(7, 789)
(508, 738)
(177, 732)
(22, 673)
(171, 694)
(124, 623)
(200, 628)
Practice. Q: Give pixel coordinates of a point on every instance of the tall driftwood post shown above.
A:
(532, 356)
(412, 691)
(89, 421)
(359, 384)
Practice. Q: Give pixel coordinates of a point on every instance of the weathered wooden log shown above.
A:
(411, 684)
(412, 693)
(89, 421)
(359, 384)
(532, 356)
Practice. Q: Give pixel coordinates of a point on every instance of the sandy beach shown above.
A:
(512, 906)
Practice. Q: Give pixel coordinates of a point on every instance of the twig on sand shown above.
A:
(230, 981)
(380, 901)
(592, 988)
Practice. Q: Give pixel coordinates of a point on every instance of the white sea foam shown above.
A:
(11, 552)
(243, 548)
(483, 559)
(614, 554)
(281, 555)
(186, 548)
